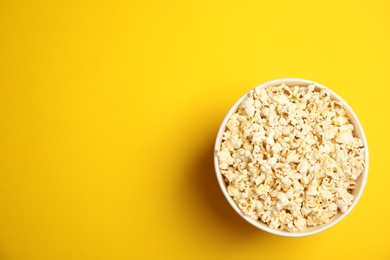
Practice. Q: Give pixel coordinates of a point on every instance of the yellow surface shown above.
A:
(109, 110)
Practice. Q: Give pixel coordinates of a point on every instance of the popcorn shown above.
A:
(289, 157)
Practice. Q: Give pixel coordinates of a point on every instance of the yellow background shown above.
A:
(109, 112)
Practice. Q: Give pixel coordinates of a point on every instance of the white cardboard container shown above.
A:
(361, 182)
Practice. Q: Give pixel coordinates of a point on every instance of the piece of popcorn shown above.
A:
(312, 190)
(282, 198)
(275, 223)
(250, 111)
(232, 125)
(233, 191)
(265, 167)
(257, 138)
(300, 223)
(248, 101)
(244, 195)
(225, 157)
(285, 218)
(262, 189)
(286, 180)
(263, 95)
(332, 207)
(340, 120)
(276, 148)
(272, 161)
(234, 142)
(260, 179)
(266, 216)
(223, 165)
(290, 227)
(305, 209)
(325, 195)
(344, 137)
(281, 100)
